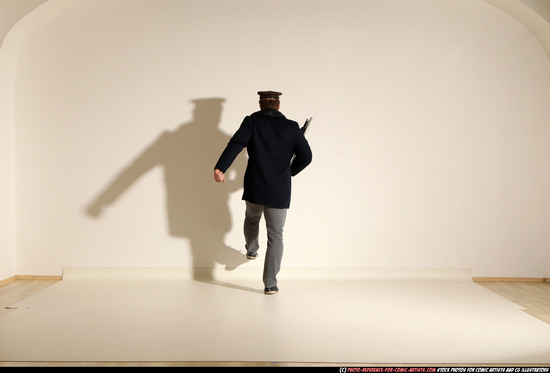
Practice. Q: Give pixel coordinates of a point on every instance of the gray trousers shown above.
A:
(275, 221)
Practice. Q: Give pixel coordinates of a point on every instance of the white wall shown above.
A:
(11, 11)
(430, 134)
(7, 176)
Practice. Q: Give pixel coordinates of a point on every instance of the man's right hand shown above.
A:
(219, 176)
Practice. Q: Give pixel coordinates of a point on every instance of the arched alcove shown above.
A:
(429, 135)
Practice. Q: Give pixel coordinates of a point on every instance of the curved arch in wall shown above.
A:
(11, 47)
(48, 11)
(24, 30)
(528, 17)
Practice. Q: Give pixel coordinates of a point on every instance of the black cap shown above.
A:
(269, 94)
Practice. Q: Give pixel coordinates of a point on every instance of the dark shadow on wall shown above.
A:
(197, 207)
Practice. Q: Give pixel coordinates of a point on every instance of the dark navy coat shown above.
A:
(271, 140)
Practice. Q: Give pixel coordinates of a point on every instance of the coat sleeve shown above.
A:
(236, 144)
(303, 154)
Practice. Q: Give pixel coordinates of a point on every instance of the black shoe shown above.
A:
(251, 256)
(270, 291)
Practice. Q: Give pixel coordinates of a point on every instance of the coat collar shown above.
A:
(271, 113)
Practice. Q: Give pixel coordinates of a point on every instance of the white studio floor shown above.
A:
(321, 316)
